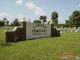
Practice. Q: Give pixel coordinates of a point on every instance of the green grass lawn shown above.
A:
(2, 34)
(42, 49)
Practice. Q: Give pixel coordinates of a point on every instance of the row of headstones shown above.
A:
(69, 29)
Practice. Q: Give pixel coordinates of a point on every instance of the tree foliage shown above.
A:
(54, 18)
(61, 25)
(7, 22)
(43, 18)
(4, 22)
(15, 22)
(4, 19)
(36, 21)
(74, 19)
(1, 23)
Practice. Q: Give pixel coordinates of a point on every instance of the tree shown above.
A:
(7, 22)
(4, 22)
(1, 23)
(4, 19)
(36, 21)
(74, 19)
(15, 22)
(43, 18)
(67, 23)
(61, 25)
(54, 18)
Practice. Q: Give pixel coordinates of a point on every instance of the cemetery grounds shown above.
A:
(67, 46)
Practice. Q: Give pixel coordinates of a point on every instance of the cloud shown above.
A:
(34, 8)
(79, 5)
(61, 19)
(3, 14)
(11, 17)
(20, 17)
(19, 2)
(6, 15)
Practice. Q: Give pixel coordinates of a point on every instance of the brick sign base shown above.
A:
(19, 34)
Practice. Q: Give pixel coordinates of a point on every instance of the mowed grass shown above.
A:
(2, 34)
(52, 48)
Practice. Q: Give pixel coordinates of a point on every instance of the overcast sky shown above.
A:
(32, 9)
